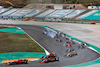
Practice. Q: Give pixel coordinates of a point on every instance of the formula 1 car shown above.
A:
(20, 61)
(59, 40)
(69, 50)
(71, 54)
(84, 44)
(49, 58)
(68, 45)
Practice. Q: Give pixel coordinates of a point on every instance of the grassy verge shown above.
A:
(15, 42)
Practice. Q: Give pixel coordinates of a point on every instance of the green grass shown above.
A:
(15, 42)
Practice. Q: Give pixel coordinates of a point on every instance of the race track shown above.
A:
(36, 32)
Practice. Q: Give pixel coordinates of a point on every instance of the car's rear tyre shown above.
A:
(25, 61)
(57, 59)
(70, 56)
(75, 54)
(46, 61)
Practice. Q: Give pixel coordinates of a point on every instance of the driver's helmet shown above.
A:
(51, 54)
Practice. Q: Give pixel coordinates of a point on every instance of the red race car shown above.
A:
(20, 61)
(49, 58)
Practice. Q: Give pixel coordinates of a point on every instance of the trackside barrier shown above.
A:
(81, 22)
(1, 18)
(53, 20)
(39, 20)
(5, 18)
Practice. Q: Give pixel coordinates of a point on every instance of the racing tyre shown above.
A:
(7, 63)
(57, 59)
(25, 62)
(46, 61)
(70, 56)
(75, 54)
(66, 51)
(65, 55)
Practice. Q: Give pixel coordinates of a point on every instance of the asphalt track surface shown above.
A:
(53, 46)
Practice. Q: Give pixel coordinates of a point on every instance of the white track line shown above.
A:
(47, 53)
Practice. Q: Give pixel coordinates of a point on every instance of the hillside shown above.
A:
(14, 3)
(86, 2)
(22, 3)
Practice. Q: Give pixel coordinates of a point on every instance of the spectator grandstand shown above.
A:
(5, 15)
(31, 14)
(20, 13)
(60, 13)
(75, 13)
(3, 10)
(50, 14)
(46, 13)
